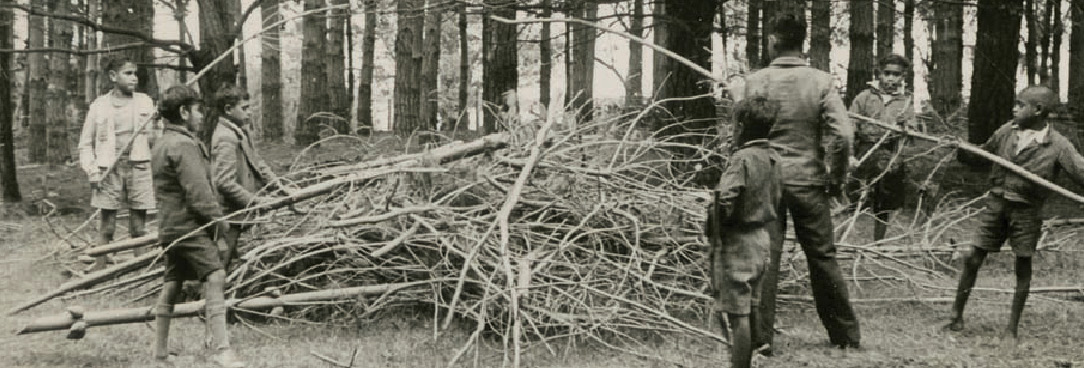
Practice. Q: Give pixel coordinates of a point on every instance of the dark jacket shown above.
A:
(239, 171)
(1045, 158)
(182, 184)
(812, 133)
(750, 188)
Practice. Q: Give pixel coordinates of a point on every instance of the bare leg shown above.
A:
(1020, 297)
(741, 352)
(105, 236)
(162, 314)
(137, 220)
(963, 290)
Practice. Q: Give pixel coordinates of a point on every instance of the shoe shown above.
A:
(764, 350)
(956, 325)
(166, 361)
(227, 359)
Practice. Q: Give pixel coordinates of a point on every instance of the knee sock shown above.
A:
(216, 324)
(162, 315)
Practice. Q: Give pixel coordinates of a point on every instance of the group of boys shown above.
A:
(132, 164)
(793, 146)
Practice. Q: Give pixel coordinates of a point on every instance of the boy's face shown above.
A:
(1025, 113)
(193, 117)
(890, 77)
(124, 79)
(239, 111)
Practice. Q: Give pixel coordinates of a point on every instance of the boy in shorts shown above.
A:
(1012, 209)
(739, 217)
(186, 202)
(115, 153)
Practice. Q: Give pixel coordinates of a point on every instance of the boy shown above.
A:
(738, 221)
(187, 201)
(1012, 209)
(886, 100)
(115, 157)
(239, 171)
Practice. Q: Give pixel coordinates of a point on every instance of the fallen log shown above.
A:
(89, 280)
(123, 245)
(191, 309)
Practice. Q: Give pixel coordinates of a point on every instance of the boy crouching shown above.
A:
(738, 221)
(187, 201)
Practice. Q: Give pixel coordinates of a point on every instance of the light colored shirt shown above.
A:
(1025, 137)
(99, 143)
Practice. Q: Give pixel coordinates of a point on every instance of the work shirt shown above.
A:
(812, 133)
(1046, 157)
(109, 128)
(750, 189)
(890, 108)
(182, 183)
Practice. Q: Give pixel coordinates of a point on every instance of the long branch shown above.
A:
(98, 26)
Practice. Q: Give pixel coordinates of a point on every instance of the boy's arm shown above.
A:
(731, 185)
(840, 134)
(192, 175)
(224, 162)
(87, 160)
(1072, 162)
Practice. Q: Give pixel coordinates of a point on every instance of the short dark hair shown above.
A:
(756, 116)
(789, 32)
(229, 95)
(1040, 95)
(894, 59)
(174, 99)
(115, 62)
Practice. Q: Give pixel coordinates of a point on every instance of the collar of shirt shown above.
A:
(1026, 136)
(229, 124)
(179, 129)
(789, 61)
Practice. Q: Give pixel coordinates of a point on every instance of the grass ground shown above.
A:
(900, 334)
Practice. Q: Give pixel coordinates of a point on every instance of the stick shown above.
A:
(192, 309)
(91, 279)
(980, 152)
(123, 245)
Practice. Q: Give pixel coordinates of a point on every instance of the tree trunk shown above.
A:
(909, 40)
(690, 37)
(946, 76)
(545, 55)
(1030, 56)
(37, 70)
(9, 182)
(1055, 56)
(464, 69)
(60, 36)
(179, 12)
(314, 91)
(793, 7)
(93, 67)
(820, 41)
(661, 64)
(271, 73)
(860, 67)
(499, 73)
(407, 81)
(368, 57)
(634, 81)
(431, 67)
(338, 98)
(1076, 64)
(583, 67)
(137, 14)
(1044, 41)
(994, 81)
(234, 16)
(769, 12)
(886, 27)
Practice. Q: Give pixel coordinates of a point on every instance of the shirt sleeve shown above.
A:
(192, 175)
(224, 159)
(731, 185)
(1072, 162)
(839, 137)
(87, 160)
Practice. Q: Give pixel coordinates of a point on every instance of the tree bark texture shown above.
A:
(60, 36)
(93, 66)
(431, 67)
(338, 95)
(464, 70)
(138, 14)
(545, 55)
(860, 66)
(909, 40)
(769, 10)
(661, 64)
(314, 91)
(1044, 41)
(820, 40)
(407, 79)
(946, 76)
(583, 64)
(1031, 63)
(634, 81)
(9, 182)
(1055, 57)
(886, 27)
(271, 73)
(499, 73)
(690, 37)
(37, 71)
(368, 58)
(215, 29)
(234, 15)
(994, 81)
(1076, 64)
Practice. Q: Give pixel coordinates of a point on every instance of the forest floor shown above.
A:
(895, 334)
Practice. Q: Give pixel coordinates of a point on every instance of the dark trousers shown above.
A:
(810, 209)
